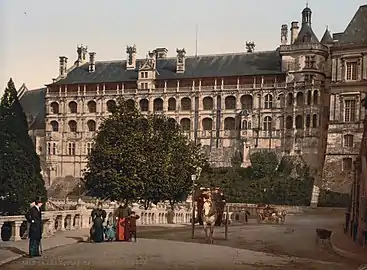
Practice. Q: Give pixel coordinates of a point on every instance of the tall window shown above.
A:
(348, 140)
(350, 111)
(267, 123)
(144, 75)
(351, 71)
(89, 148)
(310, 61)
(268, 101)
(144, 86)
(54, 148)
(347, 164)
(71, 149)
(49, 148)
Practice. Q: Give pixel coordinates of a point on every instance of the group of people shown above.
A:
(120, 227)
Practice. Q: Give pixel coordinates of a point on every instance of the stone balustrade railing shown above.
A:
(68, 203)
(16, 226)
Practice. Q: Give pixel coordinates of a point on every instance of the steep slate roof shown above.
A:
(33, 103)
(306, 29)
(221, 65)
(327, 38)
(356, 31)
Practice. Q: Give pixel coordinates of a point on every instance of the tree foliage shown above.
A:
(20, 170)
(285, 181)
(268, 180)
(264, 163)
(137, 157)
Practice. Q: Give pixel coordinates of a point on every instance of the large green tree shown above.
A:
(141, 158)
(20, 171)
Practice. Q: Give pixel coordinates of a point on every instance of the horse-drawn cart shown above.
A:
(266, 213)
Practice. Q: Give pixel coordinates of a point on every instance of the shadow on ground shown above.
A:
(14, 250)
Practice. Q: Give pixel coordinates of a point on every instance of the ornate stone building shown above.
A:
(348, 65)
(356, 222)
(230, 103)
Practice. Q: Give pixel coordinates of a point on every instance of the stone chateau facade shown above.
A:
(302, 98)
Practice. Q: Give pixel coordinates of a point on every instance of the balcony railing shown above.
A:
(217, 87)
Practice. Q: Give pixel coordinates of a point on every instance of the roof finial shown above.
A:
(327, 27)
(307, 4)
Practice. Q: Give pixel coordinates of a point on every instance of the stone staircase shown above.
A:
(220, 157)
(62, 187)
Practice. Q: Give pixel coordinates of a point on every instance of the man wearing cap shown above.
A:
(34, 217)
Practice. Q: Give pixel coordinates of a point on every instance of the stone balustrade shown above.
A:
(70, 203)
(16, 226)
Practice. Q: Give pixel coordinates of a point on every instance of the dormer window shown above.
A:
(307, 38)
(144, 86)
(351, 71)
(144, 75)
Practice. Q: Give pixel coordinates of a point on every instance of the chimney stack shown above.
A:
(63, 65)
(131, 57)
(294, 31)
(161, 53)
(180, 62)
(92, 61)
(81, 54)
(284, 35)
(250, 47)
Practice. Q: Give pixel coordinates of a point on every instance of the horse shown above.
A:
(281, 215)
(209, 216)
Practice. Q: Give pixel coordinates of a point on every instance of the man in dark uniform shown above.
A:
(34, 217)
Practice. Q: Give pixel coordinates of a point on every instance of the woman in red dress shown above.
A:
(122, 227)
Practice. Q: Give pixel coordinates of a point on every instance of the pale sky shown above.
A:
(33, 34)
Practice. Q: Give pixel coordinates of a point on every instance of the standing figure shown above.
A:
(34, 217)
(98, 218)
(110, 231)
(132, 225)
(122, 214)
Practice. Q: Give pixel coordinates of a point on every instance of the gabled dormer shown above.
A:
(147, 72)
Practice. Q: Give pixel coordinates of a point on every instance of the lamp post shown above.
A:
(264, 196)
(82, 172)
(193, 178)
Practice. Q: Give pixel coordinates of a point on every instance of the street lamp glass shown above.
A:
(193, 177)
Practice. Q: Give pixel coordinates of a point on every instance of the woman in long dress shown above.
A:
(122, 225)
(98, 218)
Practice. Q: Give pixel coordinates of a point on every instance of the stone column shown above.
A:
(62, 225)
(150, 104)
(238, 102)
(51, 226)
(15, 231)
(315, 196)
(333, 69)
(165, 104)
